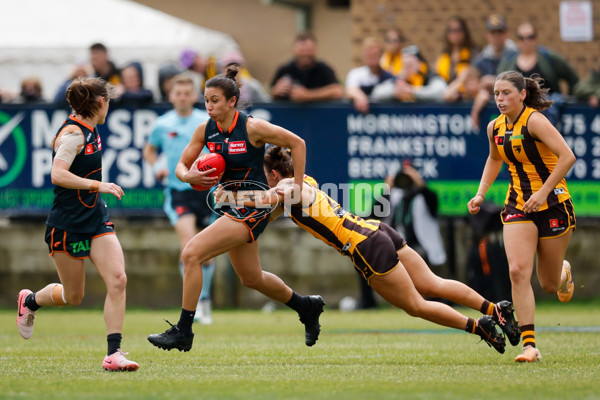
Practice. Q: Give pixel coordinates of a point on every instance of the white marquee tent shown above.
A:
(46, 38)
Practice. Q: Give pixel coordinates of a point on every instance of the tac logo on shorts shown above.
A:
(172, 134)
(237, 147)
(215, 147)
(499, 140)
(83, 245)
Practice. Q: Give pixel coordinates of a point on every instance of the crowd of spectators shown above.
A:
(392, 70)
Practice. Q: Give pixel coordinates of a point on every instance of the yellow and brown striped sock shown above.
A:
(471, 326)
(528, 335)
(487, 308)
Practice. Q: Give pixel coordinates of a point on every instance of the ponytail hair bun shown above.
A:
(279, 159)
(83, 95)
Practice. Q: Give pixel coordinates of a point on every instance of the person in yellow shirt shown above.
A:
(414, 83)
(457, 52)
(538, 213)
(391, 59)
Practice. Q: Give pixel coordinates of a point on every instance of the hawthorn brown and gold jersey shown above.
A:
(530, 162)
(326, 220)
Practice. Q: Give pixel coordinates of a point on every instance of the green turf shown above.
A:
(381, 354)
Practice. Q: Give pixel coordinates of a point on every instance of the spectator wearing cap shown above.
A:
(251, 90)
(361, 81)
(412, 85)
(486, 62)
(499, 46)
(201, 68)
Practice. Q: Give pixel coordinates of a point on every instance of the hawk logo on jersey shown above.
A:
(499, 140)
(340, 212)
(346, 248)
(518, 148)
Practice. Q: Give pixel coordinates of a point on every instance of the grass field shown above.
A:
(381, 354)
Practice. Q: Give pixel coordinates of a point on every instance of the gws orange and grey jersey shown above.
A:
(80, 210)
(243, 161)
(529, 161)
(326, 220)
(243, 169)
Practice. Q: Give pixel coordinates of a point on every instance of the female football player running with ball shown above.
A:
(241, 141)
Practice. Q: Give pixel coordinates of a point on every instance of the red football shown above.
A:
(210, 161)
